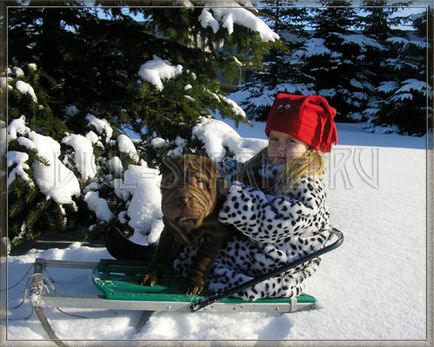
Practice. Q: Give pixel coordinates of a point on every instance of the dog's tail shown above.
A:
(121, 248)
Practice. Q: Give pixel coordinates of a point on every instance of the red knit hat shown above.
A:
(307, 118)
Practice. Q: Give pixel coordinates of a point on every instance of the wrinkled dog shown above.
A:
(189, 201)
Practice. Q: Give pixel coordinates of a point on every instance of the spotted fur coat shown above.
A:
(279, 229)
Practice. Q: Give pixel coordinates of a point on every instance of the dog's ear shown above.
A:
(163, 166)
(203, 164)
(168, 164)
(211, 166)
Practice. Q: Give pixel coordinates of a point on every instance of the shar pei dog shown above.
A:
(190, 205)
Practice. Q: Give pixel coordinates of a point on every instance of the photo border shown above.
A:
(429, 223)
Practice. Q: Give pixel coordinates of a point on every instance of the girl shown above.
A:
(277, 201)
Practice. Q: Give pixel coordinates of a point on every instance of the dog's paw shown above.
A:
(195, 290)
(196, 284)
(149, 279)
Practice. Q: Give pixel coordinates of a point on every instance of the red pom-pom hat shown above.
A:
(307, 118)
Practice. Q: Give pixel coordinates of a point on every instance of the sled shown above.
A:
(119, 288)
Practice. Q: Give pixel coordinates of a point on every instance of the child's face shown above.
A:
(282, 147)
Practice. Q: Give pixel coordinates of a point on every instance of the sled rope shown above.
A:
(22, 278)
(195, 306)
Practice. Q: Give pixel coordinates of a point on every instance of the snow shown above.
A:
(145, 207)
(404, 42)
(101, 126)
(353, 135)
(83, 155)
(18, 72)
(227, 13)
(355, 83)
(360, 40)
(94, 138)
(312, 47)
(237, 61)
(26, 88)
(206, 20)
(328, 93)
(156, 70)
(372, 288)
(125, 145)
(19, 160)
(115, 166)
(99, 206)
(388, 87)
(158, 142)
(216, 135)
(235, 108)
(413, 84)
(25, 142)
(259, 95)
(54, 180)
(401, 97)
(71, 110)
(179, 149)
(91, 186)
(17, 126)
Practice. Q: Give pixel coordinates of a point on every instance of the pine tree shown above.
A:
(377, 23)
(423, 24)
(338, 66)
(405, 92)
(88, 62)
(30, 213)
(281, 72)
(103, 56)
(36, 107)
(285, 16)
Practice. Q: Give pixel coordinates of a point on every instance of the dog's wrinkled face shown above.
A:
(189, 189)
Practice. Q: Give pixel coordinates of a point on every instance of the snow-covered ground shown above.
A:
(371, 288)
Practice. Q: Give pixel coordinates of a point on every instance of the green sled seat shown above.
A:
(120, 280)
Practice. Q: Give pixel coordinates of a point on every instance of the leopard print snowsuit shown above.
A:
(279, 228)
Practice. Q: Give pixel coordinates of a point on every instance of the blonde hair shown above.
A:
(310, 163)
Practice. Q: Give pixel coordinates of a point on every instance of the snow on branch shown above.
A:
(413, 84)
(17, 126)
(228, 13)
(156, 70)
(54, 180)
(313, 47)
(18, 159)
(99, 206)
(84, 157)
(217, 137)
(387, 87)
(400, 41)
(26, 88)
(360, 40)
(101, 125)
(235, 107)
